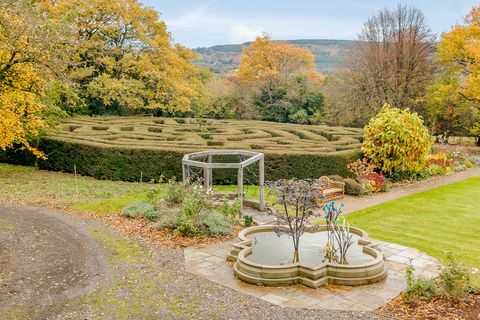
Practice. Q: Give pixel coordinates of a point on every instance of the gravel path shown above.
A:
(54, 266)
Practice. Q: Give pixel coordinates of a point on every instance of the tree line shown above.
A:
(61, 58)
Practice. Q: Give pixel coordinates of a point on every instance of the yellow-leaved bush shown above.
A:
(396, 140)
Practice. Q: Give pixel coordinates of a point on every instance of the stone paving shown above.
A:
(209, 261)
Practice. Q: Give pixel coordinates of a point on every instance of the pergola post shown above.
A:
(206, 177)
(240, 186)
(210, 172)
(261, 169)
(185, 172)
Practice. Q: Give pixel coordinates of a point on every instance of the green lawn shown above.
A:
(103, 197)
(435, 221)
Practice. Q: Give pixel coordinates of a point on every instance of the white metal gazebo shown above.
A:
(204, 160)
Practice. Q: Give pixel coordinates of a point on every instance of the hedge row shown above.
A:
(118, 163)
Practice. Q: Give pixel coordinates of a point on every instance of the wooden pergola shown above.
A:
(204, 160)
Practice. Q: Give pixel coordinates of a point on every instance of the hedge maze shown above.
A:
(199, 134)
(141, 148)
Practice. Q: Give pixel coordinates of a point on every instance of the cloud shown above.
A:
(206, 22)
(240, 33)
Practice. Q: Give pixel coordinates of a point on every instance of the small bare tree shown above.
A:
(299, 202)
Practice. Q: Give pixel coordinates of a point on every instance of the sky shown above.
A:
(203, 23)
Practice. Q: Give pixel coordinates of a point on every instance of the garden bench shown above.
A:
(330, 189)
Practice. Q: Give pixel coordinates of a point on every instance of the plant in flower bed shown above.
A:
(450, 296)
(365, 174)
(188, 209)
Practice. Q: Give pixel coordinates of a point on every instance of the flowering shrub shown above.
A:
(377, 182)
(365, 174)
(361, 169)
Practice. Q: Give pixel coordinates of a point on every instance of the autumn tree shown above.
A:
(390, 63)
(459, 85)
(283, 81)
(30, 60)
(124, 59)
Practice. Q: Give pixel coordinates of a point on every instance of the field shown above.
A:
(192, 134)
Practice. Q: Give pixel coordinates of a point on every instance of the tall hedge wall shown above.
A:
(117, 163)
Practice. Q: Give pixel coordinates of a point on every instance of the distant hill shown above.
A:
(222, 59)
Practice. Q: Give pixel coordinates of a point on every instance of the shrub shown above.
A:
(248, 221)
(231, 211)
(129, 128)
(396, 140)
(216, 224)
(215, 143)
(155, 129)
(361, 169)
(141, 208)
(475, 160)
(99, 128)
(195, 202)
(256, 146)
(455, 279)
(127, 163)
(300, 117)
(435, 170)
(369, 180)
(423, 289)
(440, 159)
(167, 218)
(175, 191)
(352, 187)
(186, 226)
(377, 182)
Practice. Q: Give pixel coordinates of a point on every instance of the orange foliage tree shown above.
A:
(266, 61)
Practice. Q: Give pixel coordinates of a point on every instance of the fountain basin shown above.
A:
(263, 258)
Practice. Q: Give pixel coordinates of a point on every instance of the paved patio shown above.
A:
(209, 261)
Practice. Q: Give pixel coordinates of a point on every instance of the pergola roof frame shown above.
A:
(191, 160)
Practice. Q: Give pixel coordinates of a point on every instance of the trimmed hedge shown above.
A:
(119, 163)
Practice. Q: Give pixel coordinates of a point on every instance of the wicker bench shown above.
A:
(331, 190)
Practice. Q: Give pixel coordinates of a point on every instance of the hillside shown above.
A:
(222, 59)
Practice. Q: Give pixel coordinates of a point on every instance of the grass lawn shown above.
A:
(443, 219)
(435, 221)
(103, 197)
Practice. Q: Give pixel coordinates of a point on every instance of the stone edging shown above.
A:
(296, 273)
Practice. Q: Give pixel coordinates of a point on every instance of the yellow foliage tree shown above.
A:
(459, 53)
(28, 55)
(265, 61)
